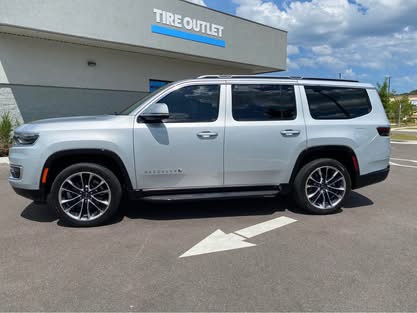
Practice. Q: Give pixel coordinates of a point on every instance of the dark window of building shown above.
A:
(264, 103)
(156, 84)
(199, 103)
(333, 103)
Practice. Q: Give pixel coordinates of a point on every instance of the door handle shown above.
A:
(207, 135)
(290, 133)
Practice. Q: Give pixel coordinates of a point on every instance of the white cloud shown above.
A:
(322, 50)
(331, 62)
(292, 50)
(412, 62)
(349, 73)
(292, 65)
(307, 62)
(199, 2)
(342, 35)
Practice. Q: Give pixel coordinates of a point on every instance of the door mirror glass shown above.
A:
(155, 113)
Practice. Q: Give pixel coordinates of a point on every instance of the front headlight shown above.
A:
(24, 139)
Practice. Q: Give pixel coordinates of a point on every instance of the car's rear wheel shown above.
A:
(322, 186)
(86, 195)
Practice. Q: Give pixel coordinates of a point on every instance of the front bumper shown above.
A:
(30, 161)
(38, 196)
(371, 178)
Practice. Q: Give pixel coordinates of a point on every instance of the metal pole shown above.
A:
(399, 114)
(389, 95)
(389, 84)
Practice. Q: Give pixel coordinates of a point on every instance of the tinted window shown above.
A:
(193, 104)
(337, 103)
(264, 103)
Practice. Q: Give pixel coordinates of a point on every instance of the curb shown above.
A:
(404, 142)
(4, 160)
(411, 128)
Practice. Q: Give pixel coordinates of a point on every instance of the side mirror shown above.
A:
(156, 113)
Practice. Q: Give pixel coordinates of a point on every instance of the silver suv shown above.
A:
(211, 137)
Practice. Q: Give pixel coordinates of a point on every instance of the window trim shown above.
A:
(268, 84)
(337, 87)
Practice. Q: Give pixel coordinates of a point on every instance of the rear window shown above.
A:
(335, 103)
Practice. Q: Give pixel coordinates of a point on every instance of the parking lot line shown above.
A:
(401, 165)
(220, 241)
(404, 142)
(406, 160)
(264, 227)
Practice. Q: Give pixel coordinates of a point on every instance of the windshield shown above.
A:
(139, 103)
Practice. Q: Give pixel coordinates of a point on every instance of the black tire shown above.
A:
(300, 190)
(112, 193)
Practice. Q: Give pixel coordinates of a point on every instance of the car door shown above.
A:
(265, 133)
(185, 150)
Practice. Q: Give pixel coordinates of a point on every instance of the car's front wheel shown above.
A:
(322, 186)
(86, 195)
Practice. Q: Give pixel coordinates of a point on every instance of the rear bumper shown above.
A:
(371, 178)
(35, 195)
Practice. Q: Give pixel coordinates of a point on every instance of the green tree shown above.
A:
(6, 128)
(384, 94)
(406, 108)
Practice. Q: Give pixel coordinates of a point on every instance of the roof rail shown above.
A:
(275, 77)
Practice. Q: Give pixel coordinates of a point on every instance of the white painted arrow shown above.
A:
(219, 241)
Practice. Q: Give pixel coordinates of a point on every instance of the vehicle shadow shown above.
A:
(357, 200)
(195, 209)
(203, 209)
(224, 208)
(39, 213)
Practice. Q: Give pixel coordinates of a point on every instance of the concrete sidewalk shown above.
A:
(4, 160)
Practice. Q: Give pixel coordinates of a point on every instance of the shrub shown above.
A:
(6, 129)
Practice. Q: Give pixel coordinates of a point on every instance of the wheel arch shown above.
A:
(343, 154)
(62, 159)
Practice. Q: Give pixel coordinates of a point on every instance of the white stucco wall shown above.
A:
(31, 61)
(128, 22)
(44, 78)
(45, 46)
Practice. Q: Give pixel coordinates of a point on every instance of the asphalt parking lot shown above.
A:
(362, 259)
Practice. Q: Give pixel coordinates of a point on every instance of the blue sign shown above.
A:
(162, 30)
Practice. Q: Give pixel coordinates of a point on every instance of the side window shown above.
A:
(334, 103)
(191, 104)
(263, 102)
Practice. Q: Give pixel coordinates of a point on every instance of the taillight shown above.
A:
(355, 163)
(384, 131)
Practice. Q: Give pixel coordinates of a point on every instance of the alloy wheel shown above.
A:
(325, 187)
(84, 196)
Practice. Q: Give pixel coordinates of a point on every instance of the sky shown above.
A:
(366, 40)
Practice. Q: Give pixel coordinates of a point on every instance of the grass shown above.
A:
(397, 136)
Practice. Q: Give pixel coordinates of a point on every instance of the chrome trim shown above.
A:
(21, 172)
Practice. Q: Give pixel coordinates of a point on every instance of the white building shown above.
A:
(60, 58)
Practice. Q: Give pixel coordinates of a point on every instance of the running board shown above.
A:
(213, 195)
